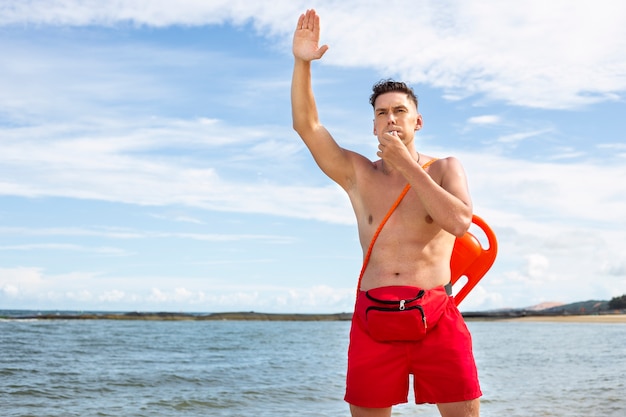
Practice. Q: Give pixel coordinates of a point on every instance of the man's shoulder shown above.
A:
(360, 161)
(445, 163)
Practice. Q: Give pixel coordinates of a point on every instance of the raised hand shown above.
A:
(307, 36)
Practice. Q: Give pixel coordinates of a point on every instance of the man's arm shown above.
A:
(333, 160)
(447, 202)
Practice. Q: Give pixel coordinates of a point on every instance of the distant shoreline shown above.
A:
(588, 318)
(168, 316)
(520, 316)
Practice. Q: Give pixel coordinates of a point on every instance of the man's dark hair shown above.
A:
(388, 86)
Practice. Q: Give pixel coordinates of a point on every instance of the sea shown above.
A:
(137, 368)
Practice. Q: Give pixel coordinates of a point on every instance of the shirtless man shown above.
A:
(412, 251)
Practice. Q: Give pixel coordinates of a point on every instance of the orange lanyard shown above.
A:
(382, 223)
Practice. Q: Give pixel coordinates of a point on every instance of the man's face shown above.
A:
(395, 111)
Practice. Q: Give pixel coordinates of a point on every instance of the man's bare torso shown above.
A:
(411, 249)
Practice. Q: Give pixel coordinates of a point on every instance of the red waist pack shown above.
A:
(398, 313)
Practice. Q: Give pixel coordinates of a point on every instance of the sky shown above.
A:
(148, 163)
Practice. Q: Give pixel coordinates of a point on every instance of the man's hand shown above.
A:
(307, 36)
(392, 150)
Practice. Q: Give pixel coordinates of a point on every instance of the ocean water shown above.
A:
(261, 369)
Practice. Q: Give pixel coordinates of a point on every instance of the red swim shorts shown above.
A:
(442, 363)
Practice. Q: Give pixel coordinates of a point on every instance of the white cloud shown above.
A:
(538, 54)
(558, 195)
(15, 281)
(537, 266)
(10, 291)
(34, 285)
(487, 119)
(33, 288)
(518, 137)
(140, 12)
(103, 250)
(113, 296)
(123, 234)
(558, 54)
(128, 168)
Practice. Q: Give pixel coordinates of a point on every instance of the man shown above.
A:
(411, 254)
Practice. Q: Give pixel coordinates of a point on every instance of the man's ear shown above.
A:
(374, 127)
(419, 123)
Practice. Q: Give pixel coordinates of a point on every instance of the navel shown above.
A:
(370, 219)
(428, 219)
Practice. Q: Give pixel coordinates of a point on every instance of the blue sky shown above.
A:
(147, 160)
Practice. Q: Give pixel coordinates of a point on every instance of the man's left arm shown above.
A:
(445, 199)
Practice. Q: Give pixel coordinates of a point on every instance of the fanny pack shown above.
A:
(393, 314)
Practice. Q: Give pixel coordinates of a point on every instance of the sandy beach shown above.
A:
(599, 318)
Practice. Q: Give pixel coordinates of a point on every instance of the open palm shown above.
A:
(306, 37)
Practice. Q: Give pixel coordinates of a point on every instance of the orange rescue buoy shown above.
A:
(470, 259)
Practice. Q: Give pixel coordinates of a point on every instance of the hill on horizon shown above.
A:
(558, 308)
(544, 306)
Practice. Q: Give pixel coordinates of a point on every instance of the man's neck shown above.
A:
(389, 170)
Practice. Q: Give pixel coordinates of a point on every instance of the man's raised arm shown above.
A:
(330, 157)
